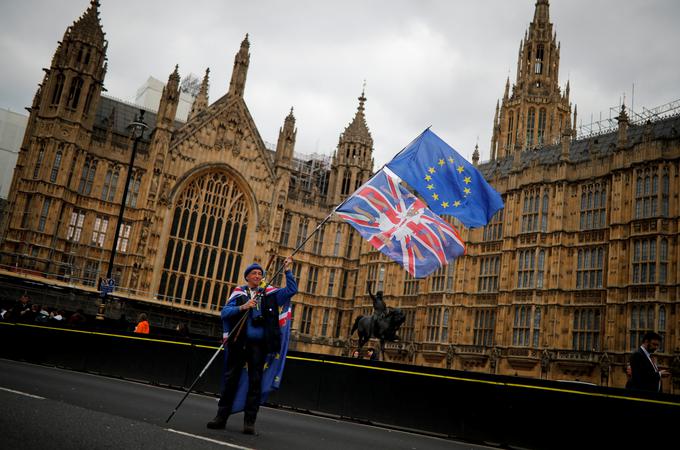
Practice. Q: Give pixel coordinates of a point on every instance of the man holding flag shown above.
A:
(256, 322)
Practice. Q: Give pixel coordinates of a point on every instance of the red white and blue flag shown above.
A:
(401, 226)
(274, 362)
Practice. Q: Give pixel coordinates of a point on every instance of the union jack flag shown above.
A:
(400, 225)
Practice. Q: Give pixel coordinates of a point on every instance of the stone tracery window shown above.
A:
(205, 247)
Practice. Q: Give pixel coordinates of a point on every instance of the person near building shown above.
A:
(250, 342)
(645, 374)
(142, 324)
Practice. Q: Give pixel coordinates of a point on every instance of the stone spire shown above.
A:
(76, 75)
(201, 101)
(542, 13)
(353, 160)
(286, 143)
(240, 72)
(357, 130)
(575, 124)
(475, 156)
(169, 101)
(534, 111)
(622, 119)
(88, 25)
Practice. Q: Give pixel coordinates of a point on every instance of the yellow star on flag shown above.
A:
(467, 191)
(445, 204)
(451, 159)
(456, 203)
(460, 169)
(435, 196)
(266, 366)
(441, 162)
(428, 178)
(431, 170)
(430, 186)
(278, 356)
(467, 180)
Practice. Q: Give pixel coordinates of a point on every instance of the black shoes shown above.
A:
(218, 423)
(248, 428)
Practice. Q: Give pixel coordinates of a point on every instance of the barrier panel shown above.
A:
(502, 410)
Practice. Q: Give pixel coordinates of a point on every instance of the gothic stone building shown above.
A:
(561, 284)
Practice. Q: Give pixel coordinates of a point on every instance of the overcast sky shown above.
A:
(427, 62)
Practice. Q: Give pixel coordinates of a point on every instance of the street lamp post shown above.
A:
(137, 129)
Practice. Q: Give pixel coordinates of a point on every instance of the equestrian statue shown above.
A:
(383, 324)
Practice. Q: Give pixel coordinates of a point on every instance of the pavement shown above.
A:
(45, 407)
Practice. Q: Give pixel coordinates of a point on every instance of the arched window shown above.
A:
(88, 99)
(345, 183)
(338, 238)
(285, 230)
(662, 327)
(74, 93)
(665, 189)
(511, 118)
(541, 264)
(39, 160)
(87, 176)
(58, 88)
(544, 213)
(531, 118)
(207, 267)
(538, 66)
(663, 260)
(55, 166)
(541, 125)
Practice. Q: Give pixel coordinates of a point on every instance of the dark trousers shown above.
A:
(253, 353)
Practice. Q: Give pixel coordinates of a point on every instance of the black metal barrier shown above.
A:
(502, 410)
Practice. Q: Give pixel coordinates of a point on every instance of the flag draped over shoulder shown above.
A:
(398, 224)
(447, 182)
(273, 366)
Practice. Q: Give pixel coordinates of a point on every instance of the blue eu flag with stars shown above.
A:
(446, 181)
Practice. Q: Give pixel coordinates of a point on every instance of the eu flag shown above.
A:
(398, 224)
(273, 366)
(447, 182)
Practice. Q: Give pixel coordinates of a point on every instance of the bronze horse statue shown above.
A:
(383, 324)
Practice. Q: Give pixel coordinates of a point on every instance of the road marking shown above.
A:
(214, 441)
(22, 393)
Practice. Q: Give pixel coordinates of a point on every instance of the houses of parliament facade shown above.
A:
(561, 284)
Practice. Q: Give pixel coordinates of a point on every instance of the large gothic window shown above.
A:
(205, 248)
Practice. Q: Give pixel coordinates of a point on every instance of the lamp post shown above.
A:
(137, 129)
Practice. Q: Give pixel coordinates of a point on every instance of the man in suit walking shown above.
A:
(645, 374)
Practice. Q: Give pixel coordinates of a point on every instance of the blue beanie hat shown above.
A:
(252, 267)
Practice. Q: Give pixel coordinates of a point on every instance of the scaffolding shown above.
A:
(310, 172)
(610, 124)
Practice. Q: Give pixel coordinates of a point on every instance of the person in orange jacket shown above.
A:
(142, 325)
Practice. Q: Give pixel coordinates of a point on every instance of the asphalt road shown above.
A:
(45, 407)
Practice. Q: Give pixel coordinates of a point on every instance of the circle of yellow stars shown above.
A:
(460, 169)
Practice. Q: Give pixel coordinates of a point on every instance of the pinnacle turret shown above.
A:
(88, 25)
(240, 72)
(201, 101)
